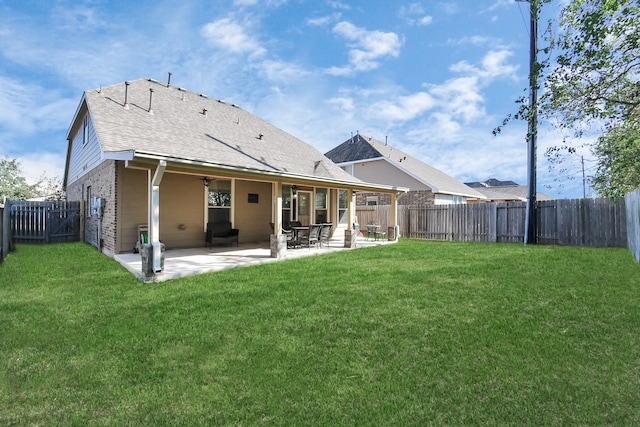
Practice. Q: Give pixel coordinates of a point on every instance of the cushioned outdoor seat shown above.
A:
(221, 233)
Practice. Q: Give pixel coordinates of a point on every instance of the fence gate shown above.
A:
(44, 222)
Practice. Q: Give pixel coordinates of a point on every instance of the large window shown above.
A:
(322, 205)
(220, 201)
(286, 207)
(85, 131)
(343, 205)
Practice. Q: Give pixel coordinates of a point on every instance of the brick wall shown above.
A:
(103, 181)
(418, 197)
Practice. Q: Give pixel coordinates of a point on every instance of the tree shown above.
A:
(51, 189)
(618, 153)
(597, 83)
(12, 184)
(594, 83)
(598, 67)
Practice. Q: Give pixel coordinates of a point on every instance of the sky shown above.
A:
(433, 78)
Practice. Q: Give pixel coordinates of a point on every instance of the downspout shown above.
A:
(394, 218)
(154, 215)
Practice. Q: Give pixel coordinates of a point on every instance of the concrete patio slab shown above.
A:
(186, 262)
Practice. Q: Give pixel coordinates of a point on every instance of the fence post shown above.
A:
(633, 223)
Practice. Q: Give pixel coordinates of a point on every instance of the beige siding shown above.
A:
(252, 219)
(181, 211)
(132, 205)
(83, 158)
(381, 172)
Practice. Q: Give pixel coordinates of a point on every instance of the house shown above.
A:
(495, 190)
(375, 161)
(148, 154)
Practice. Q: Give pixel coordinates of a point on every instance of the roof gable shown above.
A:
(355, 149)
(145, 116)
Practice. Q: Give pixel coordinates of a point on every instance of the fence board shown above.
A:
(575, 222)
(44, 222)
(633, 222)
(3, 251)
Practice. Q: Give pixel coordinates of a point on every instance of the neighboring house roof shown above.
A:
(491, 182)
(362, 148)
(160, 121)
(505, 191)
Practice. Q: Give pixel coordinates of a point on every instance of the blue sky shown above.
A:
(434, 77)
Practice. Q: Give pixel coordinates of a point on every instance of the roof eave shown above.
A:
(360, 186)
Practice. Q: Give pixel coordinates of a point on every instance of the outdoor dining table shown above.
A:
(296, 230)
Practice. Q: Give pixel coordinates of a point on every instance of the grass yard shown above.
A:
(418, 333)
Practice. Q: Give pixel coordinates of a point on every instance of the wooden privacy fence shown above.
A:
(44, 222)
(4, 248)
(574, 222)
(633, 222)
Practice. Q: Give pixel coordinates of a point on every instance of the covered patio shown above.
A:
(191, 261)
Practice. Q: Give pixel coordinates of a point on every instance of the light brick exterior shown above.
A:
(416, 197)
(103, 181)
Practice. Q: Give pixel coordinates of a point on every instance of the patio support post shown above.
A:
(154, 215)
(351, 233)
(392, 228)
(278, 240)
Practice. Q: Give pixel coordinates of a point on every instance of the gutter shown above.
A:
(362, 186)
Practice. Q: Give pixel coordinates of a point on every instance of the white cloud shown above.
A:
(460, 97)
(475, 41)
(77, 18)
(323, 20)
(275, 3)
(28, 109)
(404, 108)
(231, 36)
(338, 5)
(500, 3)
(345, 105)
(281, 71)
(414, 14)
(494, 65)
(367, 47)
(40, 165)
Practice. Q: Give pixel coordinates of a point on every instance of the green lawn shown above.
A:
(417, 333)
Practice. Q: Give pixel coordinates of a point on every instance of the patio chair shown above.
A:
(292, 241)
(312, 237)
(325, 233)
(372, 229)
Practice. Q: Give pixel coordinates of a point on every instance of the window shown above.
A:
(348, 169)
(88, 202)
(321, 205)
(85, 131)
(343, 206)
(219, 199)
(286, 207)
(372, 201)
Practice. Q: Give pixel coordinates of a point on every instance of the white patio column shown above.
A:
(278, 240)
(351, 233)
(392, 229)
(154, 214)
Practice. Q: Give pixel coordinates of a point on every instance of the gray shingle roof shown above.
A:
(510, 192)
(186, 125)
(362, 147)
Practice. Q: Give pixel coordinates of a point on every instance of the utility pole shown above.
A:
(531, 219)
(584, 181)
